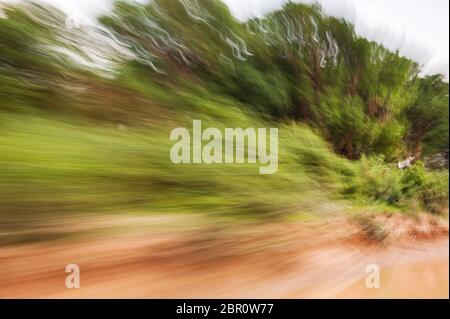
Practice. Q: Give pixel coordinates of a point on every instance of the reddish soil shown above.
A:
(288, 260)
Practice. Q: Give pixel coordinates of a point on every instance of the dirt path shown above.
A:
(281, 261)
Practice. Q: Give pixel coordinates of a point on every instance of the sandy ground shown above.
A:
(288, 260)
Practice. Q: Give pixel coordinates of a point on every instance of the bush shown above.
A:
(376, 181)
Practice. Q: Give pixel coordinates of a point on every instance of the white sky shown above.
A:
(419, 29)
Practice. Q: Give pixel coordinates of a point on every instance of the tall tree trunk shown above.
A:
(417, 150)
(417, 145)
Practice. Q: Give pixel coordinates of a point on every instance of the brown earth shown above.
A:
(148, 258)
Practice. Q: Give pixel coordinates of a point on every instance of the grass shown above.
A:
(56, 166)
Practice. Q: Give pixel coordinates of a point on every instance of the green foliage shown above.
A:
(294, 63)
(386, 184)
(428, 116)
(329, 92)
(59, 166)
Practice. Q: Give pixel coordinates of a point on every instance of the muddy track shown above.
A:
(325, 260)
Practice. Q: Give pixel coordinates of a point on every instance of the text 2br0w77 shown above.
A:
(238, 308)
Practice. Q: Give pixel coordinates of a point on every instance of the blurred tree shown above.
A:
(428, 117)
(295, 63)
